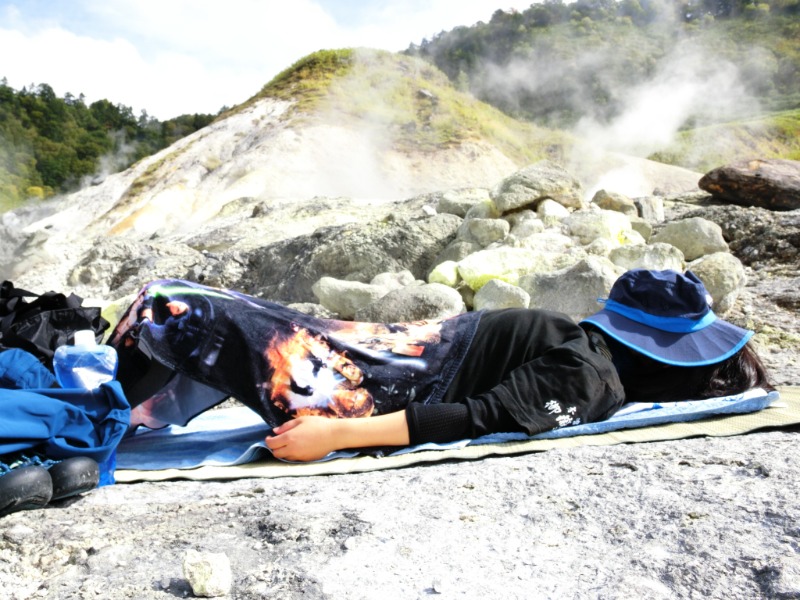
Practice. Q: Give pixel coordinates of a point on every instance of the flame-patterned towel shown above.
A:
(184, 347)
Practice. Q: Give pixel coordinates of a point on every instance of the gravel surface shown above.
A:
(697, 518)
(702, 518)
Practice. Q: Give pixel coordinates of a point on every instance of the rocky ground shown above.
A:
(700, 518)
(697, 518)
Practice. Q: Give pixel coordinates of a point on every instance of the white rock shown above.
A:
(498, 294)
(485, 209)
(588, 225)
(506, 264)
(600, 247)
(643, 256)
(549, 240)
(346, 297)
(208, 573)
(445, 273)
(651, 208)
(393, 281)
(644, 227)
(524, 223)
(724, 277)
(488, 231)
(551, 212)
(695, 237)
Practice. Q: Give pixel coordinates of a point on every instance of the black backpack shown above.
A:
(44, 324)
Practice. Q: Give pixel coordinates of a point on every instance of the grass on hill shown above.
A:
(417, 108)
(706, 148)
(407, 100)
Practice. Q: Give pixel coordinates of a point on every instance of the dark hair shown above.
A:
(646, 380)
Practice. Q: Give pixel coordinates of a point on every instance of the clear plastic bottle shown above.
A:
(85, 364)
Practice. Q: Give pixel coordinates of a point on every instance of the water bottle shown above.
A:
(85, 364)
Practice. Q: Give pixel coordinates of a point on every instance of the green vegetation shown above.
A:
(554, 64)
(404, 100)
(517, 82)
(50, 144)
(705, 148)
(307, 81)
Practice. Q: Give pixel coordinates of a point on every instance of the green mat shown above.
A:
(783, 413)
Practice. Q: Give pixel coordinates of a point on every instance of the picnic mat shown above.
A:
(228, 443)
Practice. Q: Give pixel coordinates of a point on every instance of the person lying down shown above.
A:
(326, 385)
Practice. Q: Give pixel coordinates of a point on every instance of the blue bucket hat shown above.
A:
(667, 316)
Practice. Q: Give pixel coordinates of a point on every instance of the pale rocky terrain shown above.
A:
(699, 518)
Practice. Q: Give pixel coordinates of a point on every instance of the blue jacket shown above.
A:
(60, 423)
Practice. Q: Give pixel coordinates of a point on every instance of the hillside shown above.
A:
(705, 148)
(371, 126)
(408, 104)
(51, 145)
(659, 79)
(359, 123)
(693, 85)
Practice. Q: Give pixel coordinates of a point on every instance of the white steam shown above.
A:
(689, 87)
(112, 162)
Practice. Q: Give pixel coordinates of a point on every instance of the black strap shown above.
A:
(13, 305)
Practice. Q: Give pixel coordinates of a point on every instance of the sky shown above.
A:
(173, 57)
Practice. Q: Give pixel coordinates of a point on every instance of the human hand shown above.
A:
(304, 438)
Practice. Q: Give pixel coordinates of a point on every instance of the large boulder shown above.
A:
(285, 271)
(767, 183)
(529, 186)
(573, 291)
(757, 236)
(124, 265)
(724, 277)
(413, 303)
(695, 237)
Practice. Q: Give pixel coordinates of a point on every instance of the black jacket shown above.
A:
(525, 370)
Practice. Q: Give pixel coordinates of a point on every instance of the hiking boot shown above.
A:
(73, 476)
(23, 488)
(69, 476)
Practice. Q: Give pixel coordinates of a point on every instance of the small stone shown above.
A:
(208, 573)
(497, 294)
(18, 533)
(350, 543)
(437, 586)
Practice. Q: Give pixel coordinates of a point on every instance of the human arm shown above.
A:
(311, 438)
